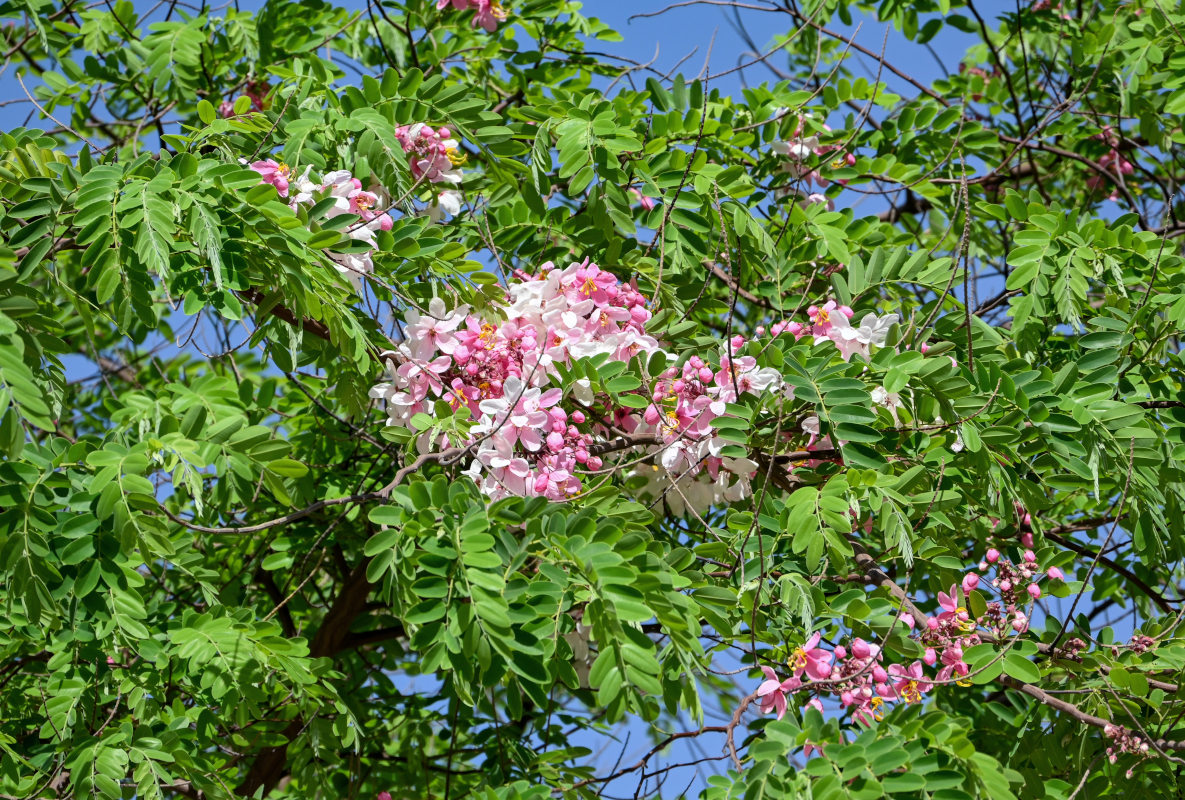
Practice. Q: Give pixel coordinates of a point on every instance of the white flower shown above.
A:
(582, 392)
(447, 202)
(889, 400)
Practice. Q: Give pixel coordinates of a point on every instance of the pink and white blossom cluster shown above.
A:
(802, 152)
(532, 438)
(486, 13)
(348, 198)
(435, 157)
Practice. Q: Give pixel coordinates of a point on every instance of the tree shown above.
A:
(399, 399)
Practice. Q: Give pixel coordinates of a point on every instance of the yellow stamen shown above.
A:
(456, 157)
(497, 10)
(487, 335)
(911, 693)
(824, 315)
(588, 287)
(874, 704)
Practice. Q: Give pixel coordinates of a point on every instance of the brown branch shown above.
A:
(315, 327)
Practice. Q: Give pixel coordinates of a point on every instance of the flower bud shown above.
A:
(970, 581)
(1056, 574)
(992, 555)
(879, 675)
(930, 656)
(1034, 591)
(841, 652)
(1026, 539)
(860, 649)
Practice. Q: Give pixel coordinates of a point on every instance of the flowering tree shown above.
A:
(414, 401)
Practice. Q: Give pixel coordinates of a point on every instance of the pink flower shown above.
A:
(1056, 574)
(992, 555)
(950, 603)
(911, 683)
(773, 692)
(383, 796)
(273, 172)
(647, 203)
(1034, 591)
(810, 658)
(970, 581)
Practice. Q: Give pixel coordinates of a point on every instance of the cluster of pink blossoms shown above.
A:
(434, 156)
(349, 198)
(255, 91)
(529, 438)
(800, 151)
(1124, 742)
(858, 678)
(486, 13)
(1112, 162)
(1012, 581)
(861, 681)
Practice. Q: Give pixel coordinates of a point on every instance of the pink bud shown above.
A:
(925, 348)
(1034, 591)
(860, 649)
(540, 483)
(383, 796)
(1005, 586)
(970, 581)
(594, 462)
(841, 652)
(1030, 556)
(1020, 624)
(879, 675)
(992, 555)
(578, 417)
(760, 330)
(1026, 539)
(696, 362)
(930, 656)
(555, 440)
(846, 698)
(1056, 574)
(932, 623)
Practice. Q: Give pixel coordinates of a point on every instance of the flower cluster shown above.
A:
(859, 677)
(1012, 581)
(434, 156)
(348, 198)
(529, 438)
(255, 91)
(801, 150)
(1124, 741)
(1112, 162)
(486, 13)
